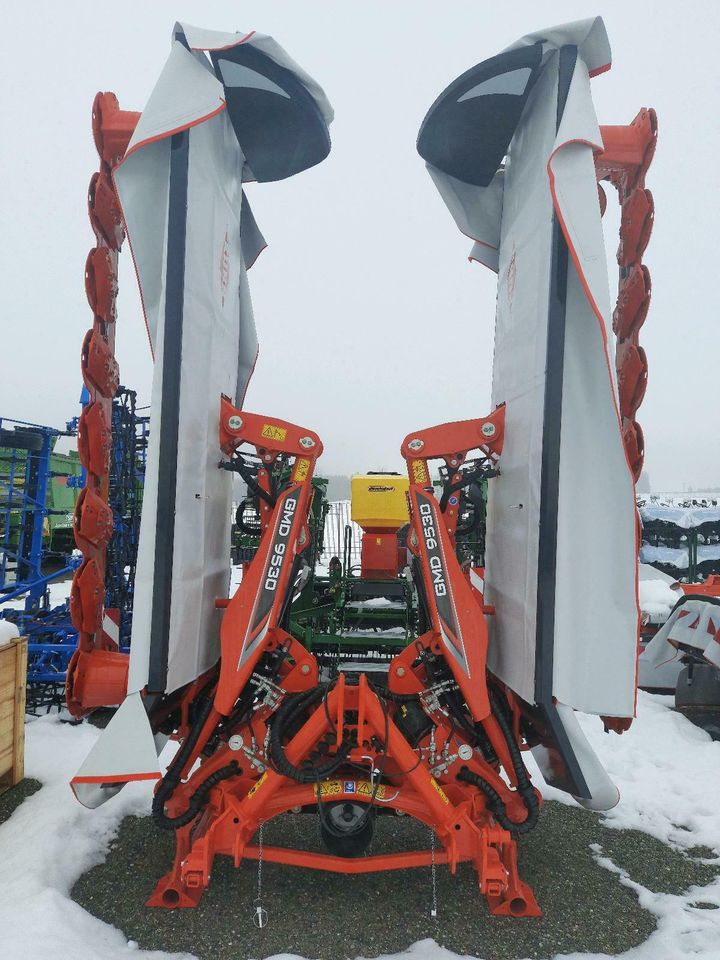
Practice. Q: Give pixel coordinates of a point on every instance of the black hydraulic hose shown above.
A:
(495, 803)
(172, 776)
(524, 788)
(246, 473)
(387, 694)
(171, 779)
(449, 488)
(290, 710)
(197, 800)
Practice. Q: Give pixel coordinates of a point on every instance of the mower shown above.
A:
(415, 684)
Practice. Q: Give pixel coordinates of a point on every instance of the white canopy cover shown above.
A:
(510, 146)
(227, 108)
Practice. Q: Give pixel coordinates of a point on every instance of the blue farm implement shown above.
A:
(31, 474)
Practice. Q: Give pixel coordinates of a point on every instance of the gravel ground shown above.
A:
(12, 798)
(332, 917)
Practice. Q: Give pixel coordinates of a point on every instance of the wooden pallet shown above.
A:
(13, 667)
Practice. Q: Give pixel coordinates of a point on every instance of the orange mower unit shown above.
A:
(436, 737)
(339, 690)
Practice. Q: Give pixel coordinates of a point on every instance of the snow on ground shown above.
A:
(51, 840)
(8, 632)
(657, 598)
(668, 772)
(59, 592)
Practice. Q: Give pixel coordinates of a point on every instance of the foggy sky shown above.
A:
(371, 321)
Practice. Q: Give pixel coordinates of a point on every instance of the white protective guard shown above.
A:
(218, 348)
(586, 660)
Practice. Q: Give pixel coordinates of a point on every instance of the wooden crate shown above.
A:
(13, 667)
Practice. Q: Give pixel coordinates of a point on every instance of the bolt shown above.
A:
(401, 671)
(306, 442)
(267, 458)
(234, 423)
(488, 429)
(416, 444)
(305, 669)
(453, 462)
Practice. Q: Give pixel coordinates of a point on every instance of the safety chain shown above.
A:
(433, 875)
(624, 162)
(93, 522)
(260, 916)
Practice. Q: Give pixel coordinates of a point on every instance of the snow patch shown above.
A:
(657, 598)
(667, 770)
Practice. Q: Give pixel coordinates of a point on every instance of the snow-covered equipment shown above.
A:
(498, 658)
(689, 643)
(681, 539)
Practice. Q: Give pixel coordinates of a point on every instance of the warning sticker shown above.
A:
(302, 468)
(361, 788)
(365, 789)
(443, 795)
(272, 432)
(419, 472)
(256, 786)
(329, 788)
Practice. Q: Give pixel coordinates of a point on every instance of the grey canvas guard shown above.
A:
(510, 145)
(226, 109)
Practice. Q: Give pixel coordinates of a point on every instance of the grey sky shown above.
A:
(371, 320)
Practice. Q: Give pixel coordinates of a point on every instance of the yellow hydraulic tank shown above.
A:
(379, 501)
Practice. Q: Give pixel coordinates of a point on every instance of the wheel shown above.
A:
(349, 831)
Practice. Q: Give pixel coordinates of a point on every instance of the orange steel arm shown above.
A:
(250, 624)
(458, 624)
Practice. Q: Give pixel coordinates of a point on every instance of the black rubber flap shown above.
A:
(468, 129)
(278, 124)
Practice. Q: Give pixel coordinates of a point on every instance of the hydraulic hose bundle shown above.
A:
(172, 778)
(524, 785)
(292, 709)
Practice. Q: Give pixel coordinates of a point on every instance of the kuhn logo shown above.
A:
(431, 544)
(511, 277)
(224, 268)
(280, 545)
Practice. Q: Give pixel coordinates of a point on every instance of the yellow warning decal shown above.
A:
(272, 432)
(365, 789)
(256, 786)
(419, 472)
(362, 788)
(330, 788)
(443, 795)
(302, 468)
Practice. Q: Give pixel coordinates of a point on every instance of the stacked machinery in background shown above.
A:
(39, 491)
(681, 539)
(130, 435)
